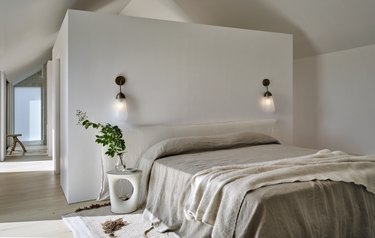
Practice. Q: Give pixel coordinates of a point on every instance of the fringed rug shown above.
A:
(88, 223)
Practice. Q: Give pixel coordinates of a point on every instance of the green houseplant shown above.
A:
(109, 136)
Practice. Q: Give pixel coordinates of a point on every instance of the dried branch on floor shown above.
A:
(93, 206)
(147, 231)
(110, 226)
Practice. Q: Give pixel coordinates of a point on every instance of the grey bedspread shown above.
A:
(303, 209)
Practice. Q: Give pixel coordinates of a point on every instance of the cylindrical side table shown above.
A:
(118, 205)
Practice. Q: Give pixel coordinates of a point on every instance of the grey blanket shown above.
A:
(305, 209)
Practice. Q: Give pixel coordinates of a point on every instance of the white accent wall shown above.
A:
(177, 73)
(334, 101)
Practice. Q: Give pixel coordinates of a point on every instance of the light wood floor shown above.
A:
(32, 150)
(32, 203)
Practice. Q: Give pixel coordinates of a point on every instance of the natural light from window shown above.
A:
(28, 113)
(26, 166)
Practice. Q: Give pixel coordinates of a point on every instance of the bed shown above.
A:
(316, 208)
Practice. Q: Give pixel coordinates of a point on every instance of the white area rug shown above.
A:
(88, 224)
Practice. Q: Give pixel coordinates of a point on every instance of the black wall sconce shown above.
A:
(267, 100)
(121, 107)
(120, 80)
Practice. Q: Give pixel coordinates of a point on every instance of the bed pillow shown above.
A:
(194, 144)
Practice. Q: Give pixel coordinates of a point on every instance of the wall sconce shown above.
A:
(121, 107)
(267, 100)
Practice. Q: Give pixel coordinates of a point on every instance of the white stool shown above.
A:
(118, 205)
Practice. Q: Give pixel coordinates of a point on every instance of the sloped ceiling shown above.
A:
(28, 28)
(318, 26)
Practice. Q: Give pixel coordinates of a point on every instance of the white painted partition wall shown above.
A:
(59, 103)
(177, 73)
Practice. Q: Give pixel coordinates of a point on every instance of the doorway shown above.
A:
(29, 115)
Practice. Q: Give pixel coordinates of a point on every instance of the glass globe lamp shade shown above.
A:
(121, 109)
(268, 105)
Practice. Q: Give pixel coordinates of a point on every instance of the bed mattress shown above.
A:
(300, 209)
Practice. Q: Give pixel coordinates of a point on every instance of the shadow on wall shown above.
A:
(253, 15)
(305, 102)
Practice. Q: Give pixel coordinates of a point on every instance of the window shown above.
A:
(28, 113)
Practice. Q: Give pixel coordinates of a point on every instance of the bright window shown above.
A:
(28, 113)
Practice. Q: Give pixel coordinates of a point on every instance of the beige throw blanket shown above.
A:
(216, 194)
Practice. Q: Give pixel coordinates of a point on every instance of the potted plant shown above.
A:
(109, 136)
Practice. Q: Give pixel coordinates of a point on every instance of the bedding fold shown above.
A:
(216, 194)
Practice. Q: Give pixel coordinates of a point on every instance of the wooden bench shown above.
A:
(15, 141)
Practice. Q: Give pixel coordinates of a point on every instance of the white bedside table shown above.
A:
(118, 205)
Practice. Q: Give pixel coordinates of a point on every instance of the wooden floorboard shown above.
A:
(32, 203)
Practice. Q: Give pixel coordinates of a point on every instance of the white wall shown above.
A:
(2, 116)
(49, 108)
(305, 102)
(334, 101)
(177, 73)
(59, 122)
(56, 105)
(10, 113)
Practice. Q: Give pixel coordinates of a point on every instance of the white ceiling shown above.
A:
(28, 28)
(318, 26)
